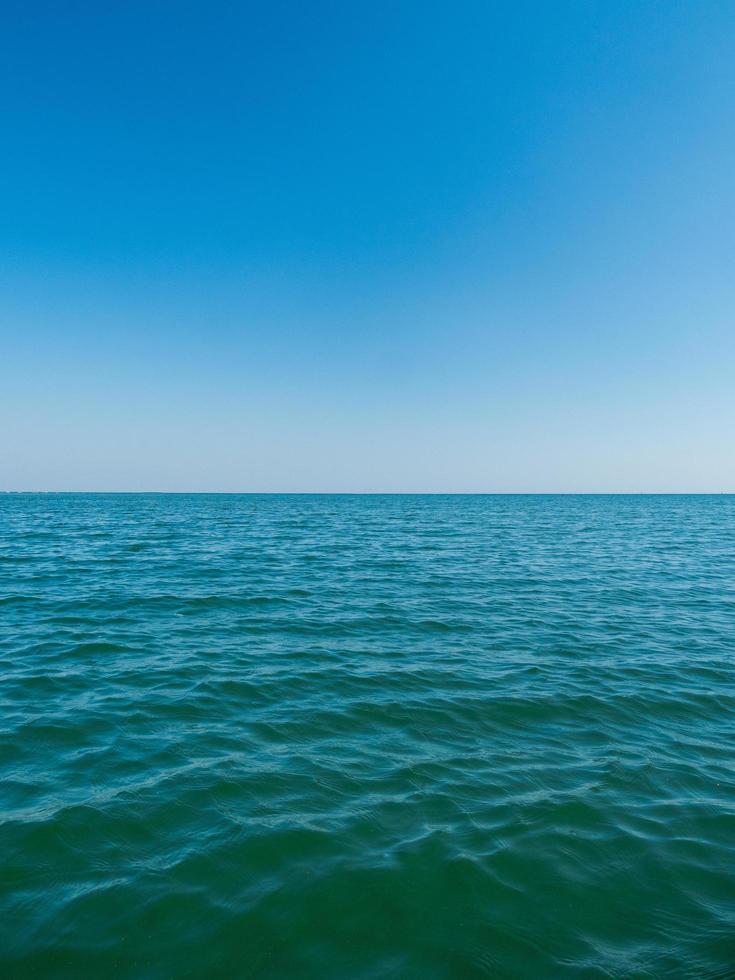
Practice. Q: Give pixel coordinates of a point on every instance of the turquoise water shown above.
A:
(367, 736)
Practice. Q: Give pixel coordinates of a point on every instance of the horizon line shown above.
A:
(387, 493)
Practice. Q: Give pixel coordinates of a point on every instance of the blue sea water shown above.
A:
(367, 736)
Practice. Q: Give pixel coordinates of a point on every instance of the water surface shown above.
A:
(367, 736)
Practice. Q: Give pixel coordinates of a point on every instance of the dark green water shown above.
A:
(367, 737)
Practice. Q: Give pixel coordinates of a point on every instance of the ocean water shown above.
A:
(367, 736)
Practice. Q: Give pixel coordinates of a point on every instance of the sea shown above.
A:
(420, 737)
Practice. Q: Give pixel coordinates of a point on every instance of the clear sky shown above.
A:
(358, 246)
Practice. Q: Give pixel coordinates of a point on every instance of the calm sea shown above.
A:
(361, 737)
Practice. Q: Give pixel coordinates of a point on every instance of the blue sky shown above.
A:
(346, 246)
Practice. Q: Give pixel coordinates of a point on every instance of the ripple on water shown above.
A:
(369, 737)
